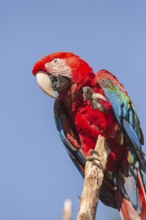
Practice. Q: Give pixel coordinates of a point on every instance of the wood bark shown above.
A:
(94, 174)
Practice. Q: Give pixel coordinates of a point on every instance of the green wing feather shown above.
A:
(123, 109)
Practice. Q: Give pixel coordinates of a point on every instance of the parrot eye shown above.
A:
(56, 61)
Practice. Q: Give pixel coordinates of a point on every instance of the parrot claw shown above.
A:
(95, 161)
(94, 98)
(94, 152)
(87, 93)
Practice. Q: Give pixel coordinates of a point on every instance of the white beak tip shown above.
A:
(44, 82)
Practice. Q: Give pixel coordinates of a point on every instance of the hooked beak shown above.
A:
(45, 84)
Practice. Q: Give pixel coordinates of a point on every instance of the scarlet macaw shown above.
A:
(89, 105)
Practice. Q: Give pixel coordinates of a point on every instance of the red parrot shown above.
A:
(88, 105)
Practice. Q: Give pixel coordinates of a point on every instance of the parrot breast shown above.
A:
(88, 123)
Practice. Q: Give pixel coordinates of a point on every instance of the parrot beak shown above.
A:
(45, 84)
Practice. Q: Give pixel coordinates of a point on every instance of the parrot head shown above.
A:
(58, 71)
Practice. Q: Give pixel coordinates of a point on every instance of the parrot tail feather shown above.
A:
(125, 207)
(131, 205)
(142, 196)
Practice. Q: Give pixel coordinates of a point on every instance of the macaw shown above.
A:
(88, 105)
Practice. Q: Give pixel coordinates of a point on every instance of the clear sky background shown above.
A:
(36, 174)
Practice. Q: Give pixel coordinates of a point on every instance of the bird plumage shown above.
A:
(92, 104)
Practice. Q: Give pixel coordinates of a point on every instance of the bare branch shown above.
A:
(93, 180)
(67, 211)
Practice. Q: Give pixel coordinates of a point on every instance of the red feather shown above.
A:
(82, 124)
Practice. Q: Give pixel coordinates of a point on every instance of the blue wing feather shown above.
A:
(123, 109)
(126, 116)
(76, 155)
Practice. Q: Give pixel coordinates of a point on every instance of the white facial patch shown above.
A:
(58, 67)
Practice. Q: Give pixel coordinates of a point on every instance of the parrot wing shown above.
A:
(68, 136)
(132, 177)
(123, 109)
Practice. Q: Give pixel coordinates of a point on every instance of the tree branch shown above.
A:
(93, 180)
(67, 211)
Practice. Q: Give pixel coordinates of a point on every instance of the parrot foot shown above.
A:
(94, 152)
(94, 98)
(95, 161)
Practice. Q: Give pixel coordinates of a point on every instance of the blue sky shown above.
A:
(36, 174)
